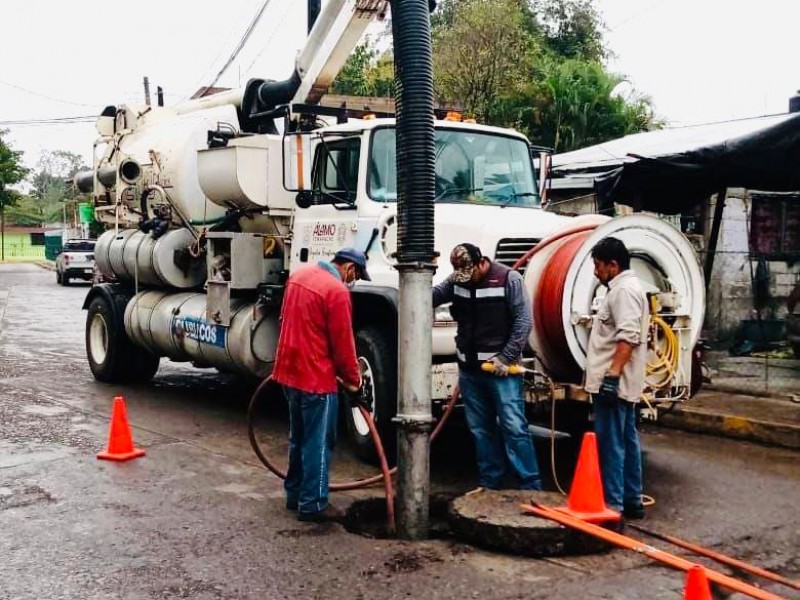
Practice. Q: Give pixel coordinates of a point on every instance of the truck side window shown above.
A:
(336, 168)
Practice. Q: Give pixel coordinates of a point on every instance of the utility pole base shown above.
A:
(413, 471)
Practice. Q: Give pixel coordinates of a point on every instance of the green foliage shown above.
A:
(535, 65)
(574, 105)
(27, 211)
(11, 172)
(366, 73)
(352, 79)
(572, 29)
(482, 54)
(50, 191)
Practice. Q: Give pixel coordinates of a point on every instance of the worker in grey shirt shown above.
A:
(615, 368)
(494, 320)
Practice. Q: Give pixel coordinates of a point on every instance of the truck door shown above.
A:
(332, 221)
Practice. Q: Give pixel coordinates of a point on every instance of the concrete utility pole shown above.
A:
(415, 259)
(147, 91)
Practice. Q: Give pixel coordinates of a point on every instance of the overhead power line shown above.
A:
(41, 95)
(241, 43)
(278, 27)
(52, 121)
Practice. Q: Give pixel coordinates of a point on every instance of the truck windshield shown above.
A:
(471, 167)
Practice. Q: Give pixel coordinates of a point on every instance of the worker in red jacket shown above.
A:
(316, 348)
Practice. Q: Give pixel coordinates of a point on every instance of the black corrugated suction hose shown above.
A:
(415, 133)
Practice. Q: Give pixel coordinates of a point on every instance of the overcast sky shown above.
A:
(699, 60)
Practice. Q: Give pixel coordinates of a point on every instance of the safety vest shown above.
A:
(483, 318)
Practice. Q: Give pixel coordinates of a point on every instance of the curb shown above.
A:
(50, 266)
(769, 433)
(737, 389)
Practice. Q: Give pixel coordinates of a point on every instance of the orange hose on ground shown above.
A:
(343, 485)
(629, 543)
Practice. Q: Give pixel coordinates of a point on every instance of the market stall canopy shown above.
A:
(671, 170)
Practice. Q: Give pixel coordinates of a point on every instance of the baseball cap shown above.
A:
(464, 258)
(357, 257)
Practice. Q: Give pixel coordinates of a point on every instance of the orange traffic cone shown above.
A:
(697, 587)
(586, 500)
(120, 442)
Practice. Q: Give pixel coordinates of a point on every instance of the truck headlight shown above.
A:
(441, 314)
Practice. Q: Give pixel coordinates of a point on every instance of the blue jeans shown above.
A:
(495, 411)
(620, 453)
(312, 434)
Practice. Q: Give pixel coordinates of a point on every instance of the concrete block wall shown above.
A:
(730, 297)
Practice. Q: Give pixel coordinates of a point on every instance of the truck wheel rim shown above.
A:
(98, 339)
(359, 422)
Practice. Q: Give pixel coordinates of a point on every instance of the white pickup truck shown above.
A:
(75, 261)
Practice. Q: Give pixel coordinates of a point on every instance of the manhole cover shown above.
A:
(494, 520)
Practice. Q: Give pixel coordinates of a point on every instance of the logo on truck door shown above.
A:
(324, 231)
(199, 330)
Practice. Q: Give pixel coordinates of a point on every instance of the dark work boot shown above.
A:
(633, 513)
(329, 513)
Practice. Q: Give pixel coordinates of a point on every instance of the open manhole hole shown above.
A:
(368, 517)
(488, 519)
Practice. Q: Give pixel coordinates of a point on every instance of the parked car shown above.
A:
(75, 261)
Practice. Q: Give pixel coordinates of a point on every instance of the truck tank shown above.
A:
(130, 255)
(176, 326)
(173, 167)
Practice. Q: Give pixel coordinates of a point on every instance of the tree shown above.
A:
(352, 78)
(481, 52)
(50, 184)
(11, 173)
(536, 65)
(366, 73)
(575, 106)
(572, 28)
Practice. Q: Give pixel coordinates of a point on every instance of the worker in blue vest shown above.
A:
(494, 320)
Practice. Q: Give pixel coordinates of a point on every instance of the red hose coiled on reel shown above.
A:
(547, 302)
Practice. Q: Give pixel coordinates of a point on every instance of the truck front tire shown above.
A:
(113, 358)
(377, 352)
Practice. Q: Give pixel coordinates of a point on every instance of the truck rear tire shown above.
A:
(113, 358)
(377, 352)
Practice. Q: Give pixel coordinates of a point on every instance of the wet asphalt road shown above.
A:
(198, 517)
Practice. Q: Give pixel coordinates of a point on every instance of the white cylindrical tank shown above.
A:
(166, 149)
(560, 279)
(175, 325)
(134, 256)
